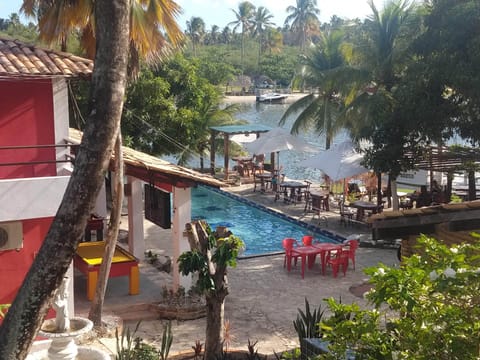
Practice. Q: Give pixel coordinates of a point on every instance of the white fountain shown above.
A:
(63, 330)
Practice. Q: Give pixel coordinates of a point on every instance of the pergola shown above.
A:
(450, 160)
(227, 131)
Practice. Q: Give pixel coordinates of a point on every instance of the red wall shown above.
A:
(14, 264)
(26, 118)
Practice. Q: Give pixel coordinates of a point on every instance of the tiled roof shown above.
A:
(18, 59)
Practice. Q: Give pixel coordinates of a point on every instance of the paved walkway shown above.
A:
(263, 299)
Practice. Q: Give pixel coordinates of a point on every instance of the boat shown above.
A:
(272, 97)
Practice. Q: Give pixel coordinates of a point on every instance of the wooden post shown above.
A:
(225, 145)
(212, 152)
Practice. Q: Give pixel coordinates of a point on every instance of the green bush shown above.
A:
(429, 308)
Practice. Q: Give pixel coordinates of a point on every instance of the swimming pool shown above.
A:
(261, 229)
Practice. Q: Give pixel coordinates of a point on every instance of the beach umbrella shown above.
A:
(339, 162)
(276, 140)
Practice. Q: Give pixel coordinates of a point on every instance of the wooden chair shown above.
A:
(346, 213)
(317, 204)
(256, 181)
(259, 160)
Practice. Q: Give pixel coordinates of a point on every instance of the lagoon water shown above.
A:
(270, 115)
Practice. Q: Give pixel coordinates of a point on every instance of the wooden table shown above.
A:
(246, 162)
(89, 257)
(361, 206)
(294, 186)
(319, 200)
(263, 177)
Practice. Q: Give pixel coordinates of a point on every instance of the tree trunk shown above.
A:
(379, 189)
(55, 256)
(472, 191)
(393, 187)
(214, 331)
(96, 308)
(389, 192)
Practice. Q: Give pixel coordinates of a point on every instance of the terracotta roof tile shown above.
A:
(24, 60)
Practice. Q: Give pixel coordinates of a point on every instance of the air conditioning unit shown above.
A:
(11, 235)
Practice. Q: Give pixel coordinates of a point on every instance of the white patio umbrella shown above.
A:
(339, 162)
(276, 140)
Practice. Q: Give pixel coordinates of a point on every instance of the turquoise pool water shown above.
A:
(261, 231)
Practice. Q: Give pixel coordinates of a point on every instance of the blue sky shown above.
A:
(219, 12)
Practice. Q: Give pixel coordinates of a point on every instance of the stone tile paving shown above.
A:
(264, 297)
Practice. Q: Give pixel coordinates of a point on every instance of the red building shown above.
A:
(34, 156)
(35, 164)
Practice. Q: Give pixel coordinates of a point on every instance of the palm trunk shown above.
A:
(96, 308)
(34, 297)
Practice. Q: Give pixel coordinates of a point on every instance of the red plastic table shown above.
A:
(323, 249)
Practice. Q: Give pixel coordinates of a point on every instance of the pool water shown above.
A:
(261, 231)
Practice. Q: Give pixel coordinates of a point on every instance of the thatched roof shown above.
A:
(18, 59)
(151, 168)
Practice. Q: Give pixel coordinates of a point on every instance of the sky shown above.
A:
(219, 12)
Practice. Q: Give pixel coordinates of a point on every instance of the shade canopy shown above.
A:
(339, 162)
(277, 139)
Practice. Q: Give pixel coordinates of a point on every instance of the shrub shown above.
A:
(427, 309)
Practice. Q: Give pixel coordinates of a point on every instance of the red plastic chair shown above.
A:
(307, 240)
(337, 259)
(349, 248)
(289, 245)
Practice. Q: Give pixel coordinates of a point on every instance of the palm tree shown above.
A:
(226, 35)
(325, 69)
(210, 114)
(383, 57)
(146, 20)
(196, 31)
(245, 19)
(262, 22)
(34, 298)
(153, 25)
(273, 41)
(302, 17)
(213, 35)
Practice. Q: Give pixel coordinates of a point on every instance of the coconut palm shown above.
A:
(383, 56)
(262, 22)
(245, 20)
(273, 41)
(210, 114)
(196, 31)
(325, 69)
(34, 298)
(226, 35)
(213, 35)
(153, 25)
(302, 18)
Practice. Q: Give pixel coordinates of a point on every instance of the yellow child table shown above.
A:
(89, 257)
